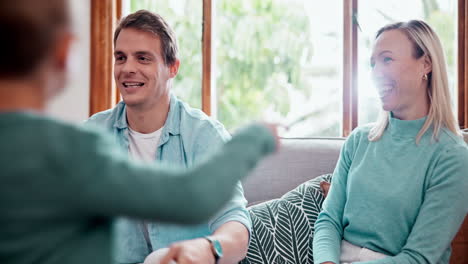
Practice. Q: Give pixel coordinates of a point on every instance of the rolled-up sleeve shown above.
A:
(235, 209)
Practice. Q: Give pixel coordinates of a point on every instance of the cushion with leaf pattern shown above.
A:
(283, 229)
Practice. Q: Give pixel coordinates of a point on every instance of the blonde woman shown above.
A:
(400, 190)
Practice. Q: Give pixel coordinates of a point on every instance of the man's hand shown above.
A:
(190, 252)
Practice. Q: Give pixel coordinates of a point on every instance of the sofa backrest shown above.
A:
(297, 161)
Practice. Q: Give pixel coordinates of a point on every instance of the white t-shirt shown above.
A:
(143, 146)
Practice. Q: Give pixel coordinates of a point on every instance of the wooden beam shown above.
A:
(460, 242)
(207, 57)
(118, 16)
(350, 70)
(102, 86)
(460, 245)
(462, 60)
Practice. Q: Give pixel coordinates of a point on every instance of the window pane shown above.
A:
(184, 17)
(280, 60)
(373, 14)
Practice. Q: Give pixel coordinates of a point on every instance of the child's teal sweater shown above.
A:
(60, 186)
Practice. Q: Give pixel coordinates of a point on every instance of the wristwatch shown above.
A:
(215, 248)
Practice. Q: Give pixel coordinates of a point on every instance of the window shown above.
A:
(291, 62)
(440, 14)
(273, 62)
(184, 17)
(270, 62)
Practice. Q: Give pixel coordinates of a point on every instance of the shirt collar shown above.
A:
(405, 128)
(120, 116)
(172, 125)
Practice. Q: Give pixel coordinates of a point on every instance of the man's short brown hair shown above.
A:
(28, 29)
(150, 22)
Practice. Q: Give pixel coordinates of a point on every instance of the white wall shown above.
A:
(73, 103)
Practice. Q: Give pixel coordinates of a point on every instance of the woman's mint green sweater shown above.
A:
(395, 197)
(60, 186)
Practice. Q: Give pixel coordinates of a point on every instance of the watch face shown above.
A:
(217, 247)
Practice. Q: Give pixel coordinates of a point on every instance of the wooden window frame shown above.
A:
(350, 67)
(103, 94)
(462, 64)
(208, 97)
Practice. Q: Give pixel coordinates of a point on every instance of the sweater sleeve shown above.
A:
(444, 207)
(111, 185)
(235, 208)
(329, 227)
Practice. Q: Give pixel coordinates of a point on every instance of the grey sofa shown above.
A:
(297, 161)
(300, 160)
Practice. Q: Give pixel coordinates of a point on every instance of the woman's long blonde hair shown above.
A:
(440, 115)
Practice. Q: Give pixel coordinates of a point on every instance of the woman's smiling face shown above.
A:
(398, 75)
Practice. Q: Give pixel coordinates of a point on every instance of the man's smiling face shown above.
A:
(139, 70)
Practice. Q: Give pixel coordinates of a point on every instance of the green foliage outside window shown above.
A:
(185, 18)
(264, 50)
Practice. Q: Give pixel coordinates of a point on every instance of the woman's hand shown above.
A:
(325, 186)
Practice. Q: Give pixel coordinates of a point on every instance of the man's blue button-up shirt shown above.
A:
(187, 137)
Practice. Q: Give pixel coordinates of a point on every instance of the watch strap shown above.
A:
(213, 248)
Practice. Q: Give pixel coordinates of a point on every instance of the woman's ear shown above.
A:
(427, 63)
